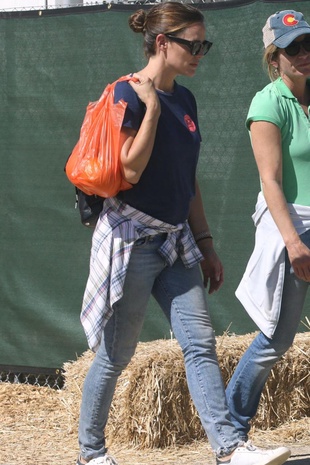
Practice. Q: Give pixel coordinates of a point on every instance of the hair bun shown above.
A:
(137, 21)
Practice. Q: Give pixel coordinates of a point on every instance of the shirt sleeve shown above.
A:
(265, 106)
(135, 108)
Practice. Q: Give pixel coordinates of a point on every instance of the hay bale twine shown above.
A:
(152, 406)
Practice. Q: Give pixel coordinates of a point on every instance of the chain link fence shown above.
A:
(34, 5)
(43, 377)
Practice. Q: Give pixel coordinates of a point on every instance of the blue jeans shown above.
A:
(181, 295)
(245, 387)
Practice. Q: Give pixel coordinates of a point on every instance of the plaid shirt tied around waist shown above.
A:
(118, 227)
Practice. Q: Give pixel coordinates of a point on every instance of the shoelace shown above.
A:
(248, 445)
(110, 460)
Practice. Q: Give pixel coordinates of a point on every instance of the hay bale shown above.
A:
(155, 409)
(152, 406)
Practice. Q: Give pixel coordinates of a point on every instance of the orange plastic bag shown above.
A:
(94, 165)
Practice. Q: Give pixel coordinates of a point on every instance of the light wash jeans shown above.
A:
(180, 293)
(245, 387)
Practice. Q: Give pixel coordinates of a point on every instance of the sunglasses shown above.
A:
(294, 48)
(196, 47)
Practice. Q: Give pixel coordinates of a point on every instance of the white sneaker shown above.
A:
(103, 460)
(251, 455)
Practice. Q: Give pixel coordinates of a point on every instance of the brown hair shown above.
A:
(270, 54)
(164, 18)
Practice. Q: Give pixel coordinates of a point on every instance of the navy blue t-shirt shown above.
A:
(167, 184)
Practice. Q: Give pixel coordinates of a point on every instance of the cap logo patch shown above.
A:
(289, 20)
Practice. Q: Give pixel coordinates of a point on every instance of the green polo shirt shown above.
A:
(276, 104)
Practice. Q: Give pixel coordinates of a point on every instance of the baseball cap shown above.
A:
(283, 27)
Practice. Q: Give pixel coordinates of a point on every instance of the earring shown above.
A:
(275, 72)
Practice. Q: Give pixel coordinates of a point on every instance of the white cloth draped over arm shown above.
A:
(260, 289)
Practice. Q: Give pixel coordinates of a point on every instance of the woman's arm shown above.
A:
(211, 266)
(137, 146)
(267, 148)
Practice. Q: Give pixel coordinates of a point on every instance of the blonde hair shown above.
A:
(164, 18)
(270, 54)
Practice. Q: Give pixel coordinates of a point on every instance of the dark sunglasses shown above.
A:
(294, 48)
(196, 47)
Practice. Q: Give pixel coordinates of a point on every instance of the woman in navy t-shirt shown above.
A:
(154, 239)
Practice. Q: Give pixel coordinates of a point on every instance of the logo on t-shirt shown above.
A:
(289, 20)
(189, 123)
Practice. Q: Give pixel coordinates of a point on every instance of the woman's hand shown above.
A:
(299, 256)
(144, 88)
(212, 268)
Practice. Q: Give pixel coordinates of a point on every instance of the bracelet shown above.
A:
(203, 235)
(203, 238)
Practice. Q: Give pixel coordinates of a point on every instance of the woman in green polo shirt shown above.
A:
(274, 286)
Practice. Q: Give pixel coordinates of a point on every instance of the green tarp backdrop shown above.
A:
(51, 65)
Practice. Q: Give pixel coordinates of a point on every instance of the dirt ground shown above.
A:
(36, 429)
(38, 425)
